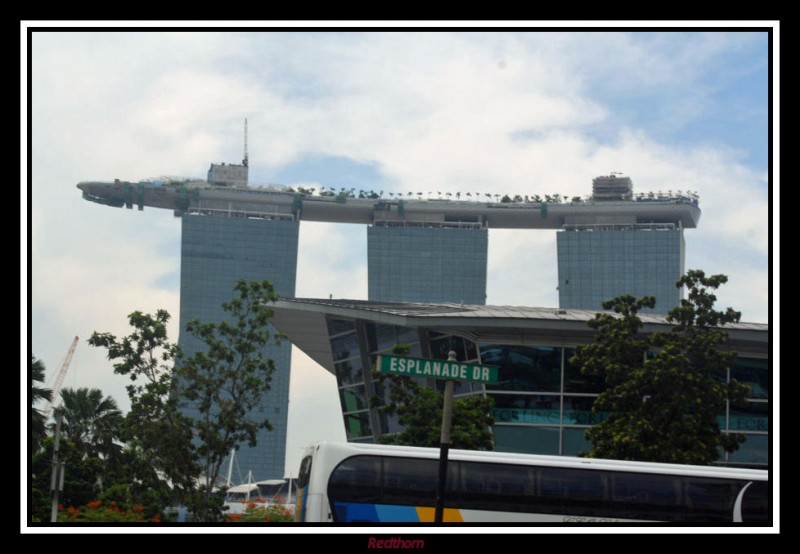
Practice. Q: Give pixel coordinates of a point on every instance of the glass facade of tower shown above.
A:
(543, 404)
(597, 263)
(215, 253)
(427, 264)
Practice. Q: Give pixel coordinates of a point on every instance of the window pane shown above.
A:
(710, 500)
(578, 411)
(471, 352)
(573, 491)
(755, 374)
(495, 486)
(755, 450)
(442, 346)
(345, 347)
(356, 480)
(524, 439)
(411, 481)
(575, 381)
(385, 337)
(349, 372)
(524, 408)
(529, 368)
(354, 398)
(357, 425)
(406, 335)
(338, 326)
(753, 416)
(646, 496)
(574, 442)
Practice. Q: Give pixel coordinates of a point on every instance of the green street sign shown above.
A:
(438, 369)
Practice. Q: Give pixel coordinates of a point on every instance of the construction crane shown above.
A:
(60, 379)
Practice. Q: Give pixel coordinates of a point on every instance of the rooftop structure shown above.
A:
(610, 188)
(276, 201)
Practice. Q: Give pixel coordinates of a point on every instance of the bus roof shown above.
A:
(355, 449)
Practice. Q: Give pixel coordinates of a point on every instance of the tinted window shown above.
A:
(338, 326)
(645, 496)
(710, 500)
(345, 347)
(524, 367)
(489, 487)
(305, 472)
(404, 481)
(356, 480)
(575, 484)
(349, 372)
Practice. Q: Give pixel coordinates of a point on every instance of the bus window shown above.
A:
(565, 490)
(305, 472)
(356, 479)
(494, 486)
(645, 496)
(710, 500)
(410, 481)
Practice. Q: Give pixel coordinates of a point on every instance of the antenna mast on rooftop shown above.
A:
(244, 161)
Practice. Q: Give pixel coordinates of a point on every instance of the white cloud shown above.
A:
(332, 261)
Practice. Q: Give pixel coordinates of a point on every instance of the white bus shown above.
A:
(349, 482)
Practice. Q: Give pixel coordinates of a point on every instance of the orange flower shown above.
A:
(60, 507)
(73, 511)
(156, 518)
(94, 504)
(138, 508)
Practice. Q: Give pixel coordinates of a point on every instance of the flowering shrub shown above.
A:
(96, 512)
(273, 512)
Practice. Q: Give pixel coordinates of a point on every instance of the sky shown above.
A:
(523, 112)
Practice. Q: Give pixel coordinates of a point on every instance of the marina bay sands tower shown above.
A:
(608, 244)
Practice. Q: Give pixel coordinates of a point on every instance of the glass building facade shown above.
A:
(597, 263)
(543, 404)
(216, 252)
(427, 263)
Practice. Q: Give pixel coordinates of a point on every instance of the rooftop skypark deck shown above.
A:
(194, 196)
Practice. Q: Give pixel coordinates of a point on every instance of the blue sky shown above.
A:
(518, 113)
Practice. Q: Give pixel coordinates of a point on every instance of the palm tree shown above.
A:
(38, 394)
(90, 421)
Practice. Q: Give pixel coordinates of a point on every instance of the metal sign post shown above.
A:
(444, 446)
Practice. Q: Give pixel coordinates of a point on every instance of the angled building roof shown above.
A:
(304, 321)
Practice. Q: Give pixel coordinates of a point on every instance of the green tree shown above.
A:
(39, 394)
(226, 382)
(663, 392)
(160, 458)
(419, 411)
